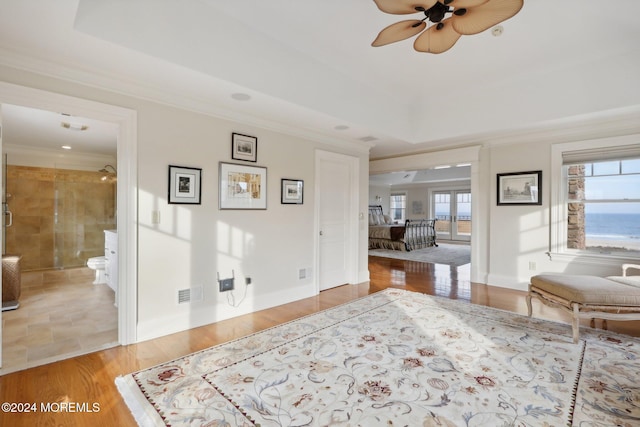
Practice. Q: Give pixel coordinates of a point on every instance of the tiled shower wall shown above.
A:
(59, 215)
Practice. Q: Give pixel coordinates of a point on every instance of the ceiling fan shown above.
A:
(449, 18)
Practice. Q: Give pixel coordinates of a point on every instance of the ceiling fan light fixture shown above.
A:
(467, 17)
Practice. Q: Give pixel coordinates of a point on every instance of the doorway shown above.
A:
(452, 209)
(125, 120)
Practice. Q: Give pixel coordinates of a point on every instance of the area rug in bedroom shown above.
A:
(451, 254)
(398, 358)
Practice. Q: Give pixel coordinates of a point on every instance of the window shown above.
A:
(398, 207)
(603, 206)
(598, 201)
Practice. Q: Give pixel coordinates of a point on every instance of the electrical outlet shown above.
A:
(247, 280)
(532, 265)
(226, 284)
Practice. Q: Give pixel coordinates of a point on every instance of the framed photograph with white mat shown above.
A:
(184, 185)
(244, 147)
(292, 191)
(520, 188)
(242, 186)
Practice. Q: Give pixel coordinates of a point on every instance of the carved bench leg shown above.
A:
(575, 322)
(529, 307)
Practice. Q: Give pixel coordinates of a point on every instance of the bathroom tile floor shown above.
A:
(62, 313)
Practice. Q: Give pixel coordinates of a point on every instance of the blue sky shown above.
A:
(614, 187)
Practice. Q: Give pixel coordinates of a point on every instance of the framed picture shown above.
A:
(244, 147)
(520, 188)
(184, 185)
(292, 191)
(242, 186)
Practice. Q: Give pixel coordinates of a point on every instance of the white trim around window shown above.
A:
(558, 250)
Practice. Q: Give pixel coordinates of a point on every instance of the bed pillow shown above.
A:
(372, 220)
(387, 219)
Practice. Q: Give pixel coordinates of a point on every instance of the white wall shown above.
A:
(192, 243)
(384, 192)
(520, 235)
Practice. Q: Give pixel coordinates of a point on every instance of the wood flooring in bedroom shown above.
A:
(90, 378)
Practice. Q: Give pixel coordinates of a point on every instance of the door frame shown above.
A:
(127, 185)
(354, 195)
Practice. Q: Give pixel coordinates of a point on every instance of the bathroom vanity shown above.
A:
(111, 259)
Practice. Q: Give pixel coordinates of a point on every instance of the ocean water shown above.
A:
(612, 226)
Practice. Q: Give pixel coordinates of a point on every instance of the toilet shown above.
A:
(98, 264)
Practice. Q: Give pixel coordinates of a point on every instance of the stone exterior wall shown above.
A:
(576, 218)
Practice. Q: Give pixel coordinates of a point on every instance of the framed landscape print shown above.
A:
(184, 185)
(292, 191)
(244, 147)
(520, 188)
(242, 186)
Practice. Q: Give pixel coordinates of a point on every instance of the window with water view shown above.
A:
(603, 207)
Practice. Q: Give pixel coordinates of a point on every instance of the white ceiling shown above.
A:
(444, 173)
(44, 129)
(309, 67)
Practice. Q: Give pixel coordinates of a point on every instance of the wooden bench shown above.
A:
(589, 297)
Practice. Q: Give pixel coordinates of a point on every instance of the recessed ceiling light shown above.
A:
(442, 167)
(368, 138)
(240, 96)
(341, 127)
(66, 147)
(463, 164)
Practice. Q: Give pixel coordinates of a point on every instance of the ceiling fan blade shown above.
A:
(437, 41)
(399, 31)
(478, 19)
(457, 4)
(403, 7)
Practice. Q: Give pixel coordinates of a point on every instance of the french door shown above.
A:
(452, 208)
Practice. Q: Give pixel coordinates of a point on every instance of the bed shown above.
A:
(384, 233)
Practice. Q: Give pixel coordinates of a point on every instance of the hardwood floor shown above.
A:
(89, 379)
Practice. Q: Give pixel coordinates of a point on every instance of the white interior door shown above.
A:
(334, 177)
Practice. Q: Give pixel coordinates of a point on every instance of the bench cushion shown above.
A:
(627, 280)
(588, 289)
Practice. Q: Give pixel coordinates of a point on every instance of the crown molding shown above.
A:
(190, 101)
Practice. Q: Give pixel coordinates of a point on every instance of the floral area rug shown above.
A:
(451, 254)
(398, 358)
